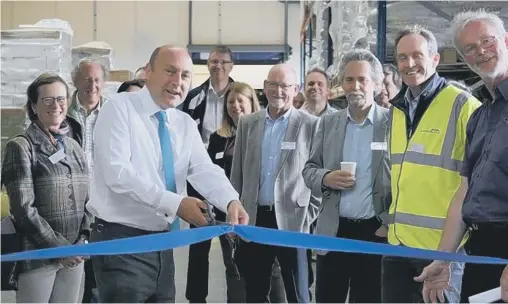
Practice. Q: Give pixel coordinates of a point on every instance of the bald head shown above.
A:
(280, 86)
(161, 50)
(283, 69)
(169, 74)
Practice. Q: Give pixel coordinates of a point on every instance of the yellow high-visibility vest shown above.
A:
(426, 168)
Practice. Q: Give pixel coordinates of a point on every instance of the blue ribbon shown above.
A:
(170, 240)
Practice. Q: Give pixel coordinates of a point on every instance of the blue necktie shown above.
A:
(167, 160)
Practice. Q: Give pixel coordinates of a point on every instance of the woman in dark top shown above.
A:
(240, 100)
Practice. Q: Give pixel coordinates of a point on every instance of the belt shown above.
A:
(488, 226)
(100, 224)
(266, 208)
(357, 221)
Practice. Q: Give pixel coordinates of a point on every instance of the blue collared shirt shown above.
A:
(486, 161)
(357, 202)
(412, 103)
(273, 136)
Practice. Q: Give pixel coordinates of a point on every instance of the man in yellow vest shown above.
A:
(427, 142)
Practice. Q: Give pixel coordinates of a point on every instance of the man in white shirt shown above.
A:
(139, 183)
(205, 103)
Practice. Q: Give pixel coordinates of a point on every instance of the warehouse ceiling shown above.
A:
(435, 15)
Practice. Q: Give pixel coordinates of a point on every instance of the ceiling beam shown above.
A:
(433, 8)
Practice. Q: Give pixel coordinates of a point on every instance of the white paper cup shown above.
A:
(348, 167)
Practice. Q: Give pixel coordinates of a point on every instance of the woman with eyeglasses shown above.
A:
(239, 100)
(46, 176)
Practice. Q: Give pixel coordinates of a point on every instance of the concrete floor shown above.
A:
(217, 281)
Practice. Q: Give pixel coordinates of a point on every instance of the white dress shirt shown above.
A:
(128, 185)
(213, 114)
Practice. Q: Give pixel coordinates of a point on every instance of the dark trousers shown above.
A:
(398, 284)
(310, 258)
(340, 272)
(198, 270)
(132, 278)
(485, 240)
(89, 282)
(258, 264)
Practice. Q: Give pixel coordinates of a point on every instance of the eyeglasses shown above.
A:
(49, 101)
(217, 62)
(484, 43)
(276, 85)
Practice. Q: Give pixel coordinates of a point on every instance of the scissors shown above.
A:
(210, 218)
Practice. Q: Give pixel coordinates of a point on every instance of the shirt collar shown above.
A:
(428, 87)
(210, 88)
(326, 109)
(370, 115)
(149, 104)
(81, 108)
(283, 117)
(502, 89)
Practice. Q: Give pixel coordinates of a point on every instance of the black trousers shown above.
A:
(198, 273)
(340, 272)
(198, 270)
(132, 278)
(485, 240)
(258, 261)
(89, 282)
(398, 284)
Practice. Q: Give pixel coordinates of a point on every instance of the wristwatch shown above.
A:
(82, 240)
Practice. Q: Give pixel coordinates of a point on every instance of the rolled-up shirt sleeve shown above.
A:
(112, 153)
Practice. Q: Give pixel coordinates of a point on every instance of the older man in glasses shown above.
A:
(482, 203)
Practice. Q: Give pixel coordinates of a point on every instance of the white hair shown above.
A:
(89, 61)
(462, 19)
(376, 68)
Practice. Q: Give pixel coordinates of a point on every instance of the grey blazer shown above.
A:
(292, 208)
(326, 156)
(47, 200)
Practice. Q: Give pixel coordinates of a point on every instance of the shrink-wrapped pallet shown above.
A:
(26, 53)
(94, 49)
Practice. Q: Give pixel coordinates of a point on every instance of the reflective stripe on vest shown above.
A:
(417, 220)
(418, 210)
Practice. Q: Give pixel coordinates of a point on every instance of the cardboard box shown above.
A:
(120, 75)
(449, 56)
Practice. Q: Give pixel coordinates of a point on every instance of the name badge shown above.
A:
(419, 148)
(379, 146)
(219, 155)
(288, 146)
(58, 156)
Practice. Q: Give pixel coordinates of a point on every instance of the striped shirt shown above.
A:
(87, 122)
